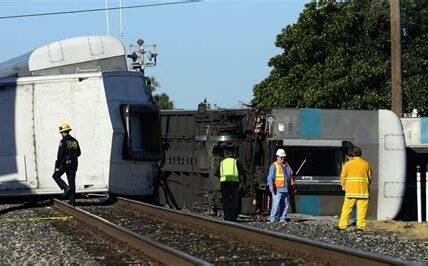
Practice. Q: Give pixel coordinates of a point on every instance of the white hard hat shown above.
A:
(280, 153)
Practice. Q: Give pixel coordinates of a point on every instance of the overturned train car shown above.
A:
(315, 141)
(416, 135)
(83, 81)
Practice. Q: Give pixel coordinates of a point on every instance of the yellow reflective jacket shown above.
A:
(229, 170)
(356, 177)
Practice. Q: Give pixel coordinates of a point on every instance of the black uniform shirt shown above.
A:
(68, 151)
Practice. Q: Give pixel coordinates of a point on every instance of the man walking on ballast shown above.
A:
(66, 162)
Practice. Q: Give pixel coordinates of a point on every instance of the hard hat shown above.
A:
(64, 127)
(280, 153)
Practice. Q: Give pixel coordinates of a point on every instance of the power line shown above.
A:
(99, 9)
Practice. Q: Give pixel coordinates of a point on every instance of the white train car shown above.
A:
(85, 82)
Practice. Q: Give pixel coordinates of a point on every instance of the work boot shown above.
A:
(72, 199)
(66, 193)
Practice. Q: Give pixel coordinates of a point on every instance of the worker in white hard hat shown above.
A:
(279, 179)
(66, 162)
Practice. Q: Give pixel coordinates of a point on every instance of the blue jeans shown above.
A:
(279, 205)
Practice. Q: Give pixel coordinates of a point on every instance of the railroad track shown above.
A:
(314, 252)
(160, 253)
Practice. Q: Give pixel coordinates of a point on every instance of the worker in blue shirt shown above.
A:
(279, 179)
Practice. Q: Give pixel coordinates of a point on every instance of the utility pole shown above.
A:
(121, 21)
(107, 22)
(396, 89)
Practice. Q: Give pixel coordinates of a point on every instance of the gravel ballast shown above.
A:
(36, 234)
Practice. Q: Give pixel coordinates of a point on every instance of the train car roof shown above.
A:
(73, 51)
(32, 79)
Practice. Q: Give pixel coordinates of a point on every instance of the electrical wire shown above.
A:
(98, 9)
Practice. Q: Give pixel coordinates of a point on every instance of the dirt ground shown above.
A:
(411, 230)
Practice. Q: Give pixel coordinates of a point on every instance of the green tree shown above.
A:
(337, 55)
(162, 100)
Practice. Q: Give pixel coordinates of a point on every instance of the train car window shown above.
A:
(316, 168)
(142, 141)
(136, 139)
(319, 161)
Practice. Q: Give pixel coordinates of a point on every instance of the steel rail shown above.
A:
(155, 250)
(290, 245)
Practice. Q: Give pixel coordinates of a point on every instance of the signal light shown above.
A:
(133, 56)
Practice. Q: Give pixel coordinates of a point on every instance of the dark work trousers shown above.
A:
(230, 198)
(71, 178)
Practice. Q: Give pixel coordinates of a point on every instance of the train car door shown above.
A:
(17, 146)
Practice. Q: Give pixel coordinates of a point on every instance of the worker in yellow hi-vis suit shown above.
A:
(355, 178)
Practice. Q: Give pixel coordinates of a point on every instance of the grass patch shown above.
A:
(413, 230)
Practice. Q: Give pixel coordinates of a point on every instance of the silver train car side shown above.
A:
(83, 81)
(315, 141)
(416, 135)
(327, 133)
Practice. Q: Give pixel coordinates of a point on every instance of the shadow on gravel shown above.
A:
(21, 203)
(301, 220)
(36, 203)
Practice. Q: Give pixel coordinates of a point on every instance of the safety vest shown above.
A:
(279, 175)
(356, 176)
(229, 170)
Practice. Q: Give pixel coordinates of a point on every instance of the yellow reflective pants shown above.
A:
(348, 205)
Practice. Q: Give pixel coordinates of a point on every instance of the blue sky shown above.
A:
(214, 49)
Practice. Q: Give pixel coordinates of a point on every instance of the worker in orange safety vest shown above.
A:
(279, 180)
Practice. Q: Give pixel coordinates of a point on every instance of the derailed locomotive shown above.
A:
(84, 81)
(315, 140)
